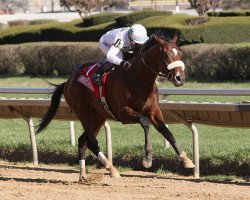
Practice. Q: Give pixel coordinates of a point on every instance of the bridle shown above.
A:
(169, 75)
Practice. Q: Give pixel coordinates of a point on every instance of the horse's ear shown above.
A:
(174, 38)
(159, 40)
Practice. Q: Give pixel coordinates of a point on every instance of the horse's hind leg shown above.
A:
(82, 147)
(92, 123)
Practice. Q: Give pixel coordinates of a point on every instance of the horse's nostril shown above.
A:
(177, 78)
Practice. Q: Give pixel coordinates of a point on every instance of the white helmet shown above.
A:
(138, 34)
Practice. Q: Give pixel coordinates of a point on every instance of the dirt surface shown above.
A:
(57, 182)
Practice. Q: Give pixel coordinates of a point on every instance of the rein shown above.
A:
(159, 73)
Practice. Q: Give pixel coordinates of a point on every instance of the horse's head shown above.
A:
(171, 65)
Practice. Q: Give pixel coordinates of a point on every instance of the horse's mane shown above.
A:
(151, 41)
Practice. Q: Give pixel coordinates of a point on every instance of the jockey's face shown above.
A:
(135, 45)
(132, 43)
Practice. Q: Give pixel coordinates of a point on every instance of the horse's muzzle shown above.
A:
(178, 80)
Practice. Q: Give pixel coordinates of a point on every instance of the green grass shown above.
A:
(221, 178)
(222, 150)
(178, 21)
(28, 82)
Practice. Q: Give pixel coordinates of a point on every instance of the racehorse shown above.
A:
(131, 96)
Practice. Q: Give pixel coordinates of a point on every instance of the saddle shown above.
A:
(86, 78)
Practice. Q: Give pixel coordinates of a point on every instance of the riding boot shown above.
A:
(98, 74)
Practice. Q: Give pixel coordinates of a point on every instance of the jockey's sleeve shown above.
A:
(113, 55)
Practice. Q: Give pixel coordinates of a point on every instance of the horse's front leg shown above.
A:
(158, 122)
(147, 159)
(130, 116)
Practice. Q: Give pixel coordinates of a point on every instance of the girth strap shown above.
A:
(104, 103)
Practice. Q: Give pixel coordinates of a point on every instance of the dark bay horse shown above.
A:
(132, 97)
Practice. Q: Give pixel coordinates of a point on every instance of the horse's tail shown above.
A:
(55, 102)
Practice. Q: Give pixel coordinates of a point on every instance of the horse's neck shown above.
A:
(149, 66)
(151, 58)
(141, 77)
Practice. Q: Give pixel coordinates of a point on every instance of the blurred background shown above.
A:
(66, 10)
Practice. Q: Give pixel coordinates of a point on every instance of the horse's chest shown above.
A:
(139, 104)
(138, 100)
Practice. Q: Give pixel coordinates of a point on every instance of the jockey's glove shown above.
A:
(126, 64)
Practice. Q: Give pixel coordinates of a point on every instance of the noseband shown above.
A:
(170, 67)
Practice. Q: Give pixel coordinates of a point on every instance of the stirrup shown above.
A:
(97, 78)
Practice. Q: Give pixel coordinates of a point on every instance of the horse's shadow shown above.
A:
(35, 180)
(67, 171)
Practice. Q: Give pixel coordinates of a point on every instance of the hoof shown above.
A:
(82, 179)
(146, 162)
(114, 173)
(186, 161)
(189, 165)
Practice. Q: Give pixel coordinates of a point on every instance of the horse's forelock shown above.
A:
(151, 41)
(164, 37)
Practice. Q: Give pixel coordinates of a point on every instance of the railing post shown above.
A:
(196, 151)
(177, 9)
(33, 141)
(72, 133)
(31, 131)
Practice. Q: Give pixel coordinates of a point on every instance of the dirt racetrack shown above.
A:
(57, 182)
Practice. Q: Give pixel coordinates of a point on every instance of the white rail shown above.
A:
(162, 91)
(212, 92)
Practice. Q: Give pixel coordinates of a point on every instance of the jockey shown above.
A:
(117, 42)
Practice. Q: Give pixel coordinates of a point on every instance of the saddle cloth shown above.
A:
(86, 79)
